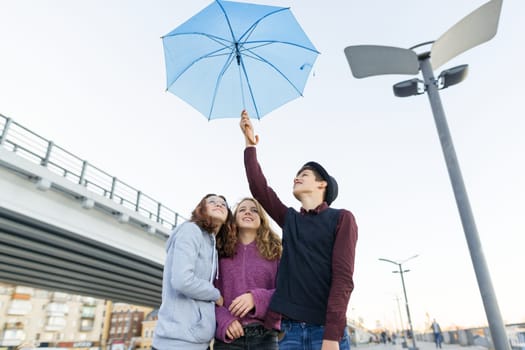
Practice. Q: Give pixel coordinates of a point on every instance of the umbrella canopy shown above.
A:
(232, 56)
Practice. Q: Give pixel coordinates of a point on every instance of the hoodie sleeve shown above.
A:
(185, 247)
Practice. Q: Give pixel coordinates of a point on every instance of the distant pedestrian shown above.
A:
(187, 313)
(436, 329)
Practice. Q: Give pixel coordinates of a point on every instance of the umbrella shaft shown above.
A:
(237, 54)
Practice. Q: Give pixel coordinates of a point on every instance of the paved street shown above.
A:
(421, 346)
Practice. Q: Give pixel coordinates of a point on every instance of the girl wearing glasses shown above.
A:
(249, 258)
(186, 318)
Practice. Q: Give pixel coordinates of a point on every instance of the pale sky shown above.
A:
(90, 76)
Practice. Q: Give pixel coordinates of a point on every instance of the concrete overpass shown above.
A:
(67, 225)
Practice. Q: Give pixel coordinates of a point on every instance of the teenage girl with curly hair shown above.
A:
(249, 257)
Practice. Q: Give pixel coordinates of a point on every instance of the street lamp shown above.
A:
(401, 271)
(399, 312)
(369, 60)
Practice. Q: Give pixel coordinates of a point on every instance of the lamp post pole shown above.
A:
(401, 271)
(399, 312)
(496, 324)
(477, 28)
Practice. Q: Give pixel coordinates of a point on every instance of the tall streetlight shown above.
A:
(368, 60)
(399, 312)
(401, 271)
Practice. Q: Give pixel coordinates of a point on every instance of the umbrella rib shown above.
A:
(208, 55)
(250, 30)
(250, 89)
(217, 83)
(269, 42)
(262, 59)
(256, 23)
(216, 38)
(227, 20)
(219, 40)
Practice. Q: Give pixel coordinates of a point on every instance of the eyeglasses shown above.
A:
(217, 201)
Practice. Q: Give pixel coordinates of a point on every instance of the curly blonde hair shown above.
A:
(267, 241)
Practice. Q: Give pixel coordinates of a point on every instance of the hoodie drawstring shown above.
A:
(215, 258)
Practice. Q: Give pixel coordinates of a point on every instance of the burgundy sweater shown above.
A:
(246, 271)
(343, 253)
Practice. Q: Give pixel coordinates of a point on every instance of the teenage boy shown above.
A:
(315, 280)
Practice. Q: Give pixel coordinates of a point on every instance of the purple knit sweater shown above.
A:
(246, 271)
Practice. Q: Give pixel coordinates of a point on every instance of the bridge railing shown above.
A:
(37, 149)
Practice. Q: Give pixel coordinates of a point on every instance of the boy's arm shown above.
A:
(256, 179)
(343, 256)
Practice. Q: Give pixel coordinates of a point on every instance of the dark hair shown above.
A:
(200, 217)
(320, 173)
(318, 176)
(268, 242)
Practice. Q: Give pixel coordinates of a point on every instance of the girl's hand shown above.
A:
(241, 305)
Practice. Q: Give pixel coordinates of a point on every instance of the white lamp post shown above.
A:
(401, 271)
(368, 60)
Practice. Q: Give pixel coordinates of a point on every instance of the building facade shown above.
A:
(125, 329)
(32, 317)
(148, 329)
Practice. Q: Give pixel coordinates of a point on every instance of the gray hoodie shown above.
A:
(187, 313)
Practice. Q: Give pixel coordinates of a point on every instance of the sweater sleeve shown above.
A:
(261, 299)
(224, 319)
(343, 257)
(260, 189)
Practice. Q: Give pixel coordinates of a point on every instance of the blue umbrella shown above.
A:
(232, 56)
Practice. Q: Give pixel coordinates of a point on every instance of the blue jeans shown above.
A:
(438, 339)
(255, 338)
(305, 336)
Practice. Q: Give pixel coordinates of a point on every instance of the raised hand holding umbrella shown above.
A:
(247, 129)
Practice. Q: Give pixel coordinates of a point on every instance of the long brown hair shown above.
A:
(267, 241)
(200, 216)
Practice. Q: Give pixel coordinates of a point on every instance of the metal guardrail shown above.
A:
(37, 149)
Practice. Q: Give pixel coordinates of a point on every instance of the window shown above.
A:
(14, 334)
(24, 290)
(19, 307)
(41, 294)
(57, 309)
(88, 312)
(55, 323)
(86, 325)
